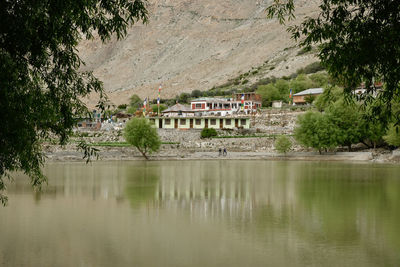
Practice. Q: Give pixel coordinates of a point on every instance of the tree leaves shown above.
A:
(41, 86)
(359, 42)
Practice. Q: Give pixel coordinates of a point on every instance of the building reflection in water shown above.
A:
(300, 207)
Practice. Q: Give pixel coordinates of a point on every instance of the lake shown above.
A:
(205, 213)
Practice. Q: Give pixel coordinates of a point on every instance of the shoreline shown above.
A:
(122, 154)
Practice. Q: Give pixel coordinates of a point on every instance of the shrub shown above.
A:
(283, 144)
(123, 106)
(313, 68)
(208, 133)
(304, 50)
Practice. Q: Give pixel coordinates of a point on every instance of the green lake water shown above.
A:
(205, 213)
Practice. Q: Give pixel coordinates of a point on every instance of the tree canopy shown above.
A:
(359, 42)
(142, 135)
(41, 86)
(317, 131)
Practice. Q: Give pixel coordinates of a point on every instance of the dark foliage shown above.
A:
(41, 86)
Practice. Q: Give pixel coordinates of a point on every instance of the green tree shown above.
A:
(301, 83)
(154, 108)
(135, 102)
(347, 119)
(142, 135)
(184, 98)
(315, 130)
(196, 93)
(372, 132)
(392, 136)
(283, 144)
(41, 86)
(320, 79)
(268, 93)
(330, 95)
(358, 42)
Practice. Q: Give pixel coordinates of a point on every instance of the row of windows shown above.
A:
(198, 121)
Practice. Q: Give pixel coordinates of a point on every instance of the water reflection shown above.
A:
(208, 213)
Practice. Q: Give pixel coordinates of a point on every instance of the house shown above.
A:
(201, 122)
(90, 123)
(214, 106)
(300, 98)
(361, 90)
(121, 117)
(252, 101)
(178, 110)
(207, 106)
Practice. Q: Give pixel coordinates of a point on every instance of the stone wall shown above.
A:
(265, 125)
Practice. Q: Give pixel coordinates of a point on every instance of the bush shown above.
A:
(304, 50)
(208, 133)
(283, 144)
(123, 106)
(313, 68)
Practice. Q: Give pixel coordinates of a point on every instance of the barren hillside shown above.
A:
(194, 44)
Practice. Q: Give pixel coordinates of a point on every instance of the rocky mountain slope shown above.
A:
(195, 44)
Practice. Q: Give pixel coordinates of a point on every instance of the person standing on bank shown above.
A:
(225, 153)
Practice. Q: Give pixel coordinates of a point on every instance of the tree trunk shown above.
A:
(143, 153)
(349, 147)
(367, 144)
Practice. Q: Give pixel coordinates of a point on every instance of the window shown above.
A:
(198, 122)
(198, 105)
(183, 121)
(242, 122)
(228, 122)
(213, 122)
(167, 121)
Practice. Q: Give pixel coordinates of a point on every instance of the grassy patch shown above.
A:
(111, 144)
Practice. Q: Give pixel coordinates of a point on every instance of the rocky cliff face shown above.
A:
(194, 44)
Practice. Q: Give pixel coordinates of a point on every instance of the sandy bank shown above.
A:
(181, 154)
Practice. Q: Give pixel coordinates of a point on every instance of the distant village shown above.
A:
(207, 112)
